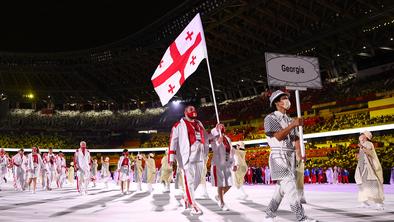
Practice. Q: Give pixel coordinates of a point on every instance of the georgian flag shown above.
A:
(180, 60)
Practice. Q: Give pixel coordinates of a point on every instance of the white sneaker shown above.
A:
(364, 205)
(195, 211)
(243, 197)
(309, 220)
(205, 196)
(217, 198)
(269, 219)
(379, 206)
(224, 208)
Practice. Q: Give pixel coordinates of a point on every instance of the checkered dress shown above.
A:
(282, 161)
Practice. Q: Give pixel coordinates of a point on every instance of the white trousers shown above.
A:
(83, 178)
(286, 187)
(19, 175)
(191, 173)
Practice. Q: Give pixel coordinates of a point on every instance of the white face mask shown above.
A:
(361, 138)
(286, 104)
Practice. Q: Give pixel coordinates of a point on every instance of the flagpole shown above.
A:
(213, 91)
(210, 77)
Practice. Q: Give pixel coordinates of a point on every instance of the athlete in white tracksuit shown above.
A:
(124, 169)
(51, 170)
(34, 163)
(82, 164)
(105, 173)
(222, 164)
(19, 170)
(189, 141)
(61, 169)
(3, 166)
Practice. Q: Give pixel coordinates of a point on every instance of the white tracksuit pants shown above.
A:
(191, 179)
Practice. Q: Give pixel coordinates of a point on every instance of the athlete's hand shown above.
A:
(298, 121)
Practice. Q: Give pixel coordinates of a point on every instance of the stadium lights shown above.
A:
(176, 102)
(386, 48)
(29, 96)
(248, 142)
(364, 54)
(147, 131)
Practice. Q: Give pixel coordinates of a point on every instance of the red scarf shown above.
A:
(226, 144)
(125, 161)
(192, 128)
(35, 158)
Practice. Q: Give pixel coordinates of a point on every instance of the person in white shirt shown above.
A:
(189, 141)
(33, 168)
(3, 166)
(82, 164)
(18, 162)
(94, 171)
(105, 173)
(124, 169)
(222, 164)
(61, 169)
(51, 170)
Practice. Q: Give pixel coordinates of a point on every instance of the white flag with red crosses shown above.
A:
(180, 60)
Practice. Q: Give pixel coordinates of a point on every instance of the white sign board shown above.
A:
(292, 71)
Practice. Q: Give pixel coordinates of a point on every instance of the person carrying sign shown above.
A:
(283, 140)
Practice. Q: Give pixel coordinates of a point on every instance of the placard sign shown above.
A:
(292, 71)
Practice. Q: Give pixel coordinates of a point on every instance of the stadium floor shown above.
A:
(325, 203)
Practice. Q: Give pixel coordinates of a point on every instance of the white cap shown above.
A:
(276, 94)
(367, 134)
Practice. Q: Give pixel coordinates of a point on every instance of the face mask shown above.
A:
(286, 104)
(192, 114)
(361, 138)
(126, 154)
(222, 130)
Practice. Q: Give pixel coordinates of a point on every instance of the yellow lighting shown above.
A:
(29, 96)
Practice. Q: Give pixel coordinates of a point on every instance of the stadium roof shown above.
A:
(75, 54)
